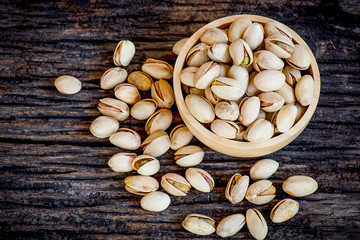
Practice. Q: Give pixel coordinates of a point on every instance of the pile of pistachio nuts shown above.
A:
(247, 82)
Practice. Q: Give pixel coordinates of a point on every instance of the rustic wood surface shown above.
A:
(54, 178)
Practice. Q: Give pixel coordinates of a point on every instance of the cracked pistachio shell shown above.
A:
(241, 53)
(251, 89)
(141, 185)
(240, 74)
(284, 210)
(288, 93)
(180, 136)
(219, 52)
(158, 69)
(227, 110)
(279, 45)
(259, 131)
(256, 224)
(292, 75)
(160, 120)
(285, 118)
(226, 129)
(126, 138)
(272, 27)
(156, 144)
(269, 80)
(163, 94)
(266, 60)
(175, 184)
(260, 192)
(141, 80)
(254, 35)
(271, 101)
(200, 108)
(249, 110)
(113, 108)
(304, 90)
(196, 91)
(146, 165)
(213, 98)
(200, 179)
(127, 93)
(189, 156)
(236, 188)
(155, 201)
(197, 55)
(187, 76)
(67, 84)
(199, 224)
(179, 45)
(121, 162)
(104, 126)
(300, 111)
(206, 74)
(230, 225)
(143, 109)
(214, 35)
(238, 28)
(224, 69)
(300, 59)
(228, 88)
(113, 77)
(263, 169)
(300, 186)
(124, 53)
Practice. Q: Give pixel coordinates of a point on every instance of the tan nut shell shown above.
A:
(163, 94)
(126, 138)
(156, 144)
(67, 84)
(251, 89)
(237, 51)
(200, 108)
(141, 185)
(113, 77)
(228, 88)
(260, 192)
(285, 118)
(113, 108)
(235, 193)
(237, 28)
(300, 186)
(263, 169)
(292, 75)
(160, 120)
(269, 80)
(121, 162)
(149, 168)
(240, 74)
(259, 131)
(104, 126)
(170, 188)
(230, 225)
(223, 128)
(214, 35)
(197, 55)
(211, 96)
(227, 110)
(271, 101)
(124, 53)
(187, 76)
(300, 59)
(189, 156)
(270, 45)
(304, 90)
(141, 80)
(155, 201)
(143, 109)
(288, 93)
(200, 179)
(206, 74)
(180, 136)
(219, 52)
(266, 60)
(194, 223)
(179, 45)
(284, 210)
(249, 110)
(127, 93)
(256, 224)
(254, 35)
(272, 27)
(158, 69)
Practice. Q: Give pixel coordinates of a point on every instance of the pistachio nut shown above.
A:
(113, 77)
(205, 75)
(227, 110)
(113, 108)
(300, 59)
(237, 28)
(288, 93)
(259, 131)
(163, 94)
(197, 55)
(263, 169)
(187, 76)
(269, 80)
(266, 60)
(256, 224)
(240, 74)
(240, 136)
(251, 89)
(196, 91)
(214, 35)
(262, 115)
(292, 75)
(160, 120)
(219, 52)
(67, 84)
(141, 185)
(284, 210)
(285, 118)
(200, 179)
(104, 126)
(230, 225)
(254, 35)
(249, 110)
(189, 156)
(155, 201)
(300, 111)
(226, 129)
(126, 138)
(143, 109)
(236, 188)
(121, 162)
(224, 69)
(228, 88)
(199, 224)
(156, 144)
(141, 80)
(241, 53)
(200, 108)
(146, 165)
(300, 186)
(272, 27)
(158, 69)
(304, 90)
(180, 136)
(271, 101)
(175, 184)
(211, 96)
(124, 53)
(260, 192)
(179, 45)
(279, 45)
(127, 93)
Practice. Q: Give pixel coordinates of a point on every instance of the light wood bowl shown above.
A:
(232, 147)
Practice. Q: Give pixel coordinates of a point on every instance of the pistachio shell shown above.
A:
(300, 186)
(227, 110)
(280, 45)
(219, 52)
(300, 111)
(266, 60)
(180, 136)
(143, 109)
(187, 76)
(141, 185)
(249, 110)
(226, 129)
(179, 45)
(113, 77)
(288, 93)
(269, 80)
(211, 96)
(272, 27)
(121, 162)
(254, 35)
(160, 120)
(251, 89)
(259, 131)
(67, 84)
(228, 88)
(214, 35)
(292, 75)
(175, 184)
(156, 144)
(124, 53)
(155, 201)
(300, 59)
(230, 225)
(197, 55)
(196, 91)
(189, 156)
(236, 188)
(224, 69)
(158, 69)
(146, 165)
(104, 126)
(127, 93)
(271, 101)
(113, 108)
(263, 169)
(285, 118)
(284, 210)
(241, 53)
(237, 28)
(240, 74)
(163, 94)
(205, 75)
(199, 224)
(304, 90)
(260, 192)
(200, 108)
(141, 80)
(262, 115)
(200, 179)
(126, 138)
(256, 224)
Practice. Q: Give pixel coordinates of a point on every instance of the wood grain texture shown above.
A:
(54, 178)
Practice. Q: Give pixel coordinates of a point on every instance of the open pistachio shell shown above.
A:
(200, 108)
(260, 192)
(179, 45)
(241, 53)
(141, 185)
(155, 201)
(284, 210)
(158, 69)
(300, 186)
(175, 184)
(127, 93)
(124, 53)
(292, 75)
(199, 224)
(254, 35)
(304, 90)
(285, 118)
(189, 156)
(237, 28)
(256, 224)
(300, 59)
(143, 109)
(113, 77)
(236, 188)
(113, 108)
(146, 165)
(200, 179)
(271, 101)
(180, 136)
(280, 45)
(104, 126)
(228, 88)
(219, 52)
(187, 76)
(121, 162)
(266, 60)
(272, 27)
(249, 110)
(163, 94)
(226, 129)
(269, 80)
(141, 80)
(126, 138)
(230, 225)
(196, 91)
(214, 35)
(160, 120)
(197, 55)
(156, 144)
(263, 169)
(206, 74)
(227, 110)
(259, 131)
(211, 96)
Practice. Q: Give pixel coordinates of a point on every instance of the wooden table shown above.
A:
(54, 178)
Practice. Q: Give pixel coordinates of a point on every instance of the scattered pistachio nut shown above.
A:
(141, 185)
(163, 94)
(260, 192)
(155, 201)
(263, 169)
(236, 188)
(67, 84)
(124, 53)
(175, 184)
(126, 138)
(199, 224)
(127, 93)
(200, 179)
(180, 136)
(113, 108)
(146, 165)
(189, 156)
(300, 186)
(156, 144)
(179, 45)
(284, 210)
(158, 69)
(113, 77)
(141, 80)
(121, 162)
(143, 109)
(230, 225)
(104, 126)
(160, 120)
(256, 224)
